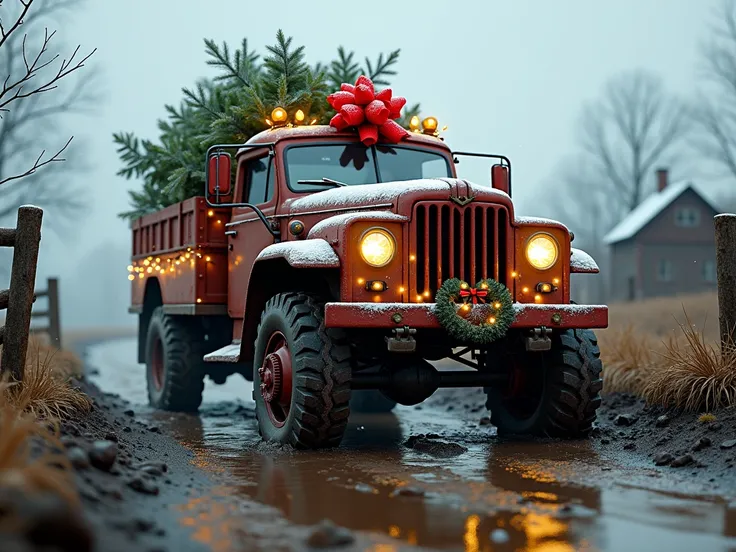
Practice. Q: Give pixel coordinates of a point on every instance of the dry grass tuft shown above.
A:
(45, 391)
(692, 374)
(50, 471)
(707, 418)
(629, 356)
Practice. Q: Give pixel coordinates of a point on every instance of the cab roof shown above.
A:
(323, 131)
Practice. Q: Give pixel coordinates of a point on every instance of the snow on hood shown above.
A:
(385, 192)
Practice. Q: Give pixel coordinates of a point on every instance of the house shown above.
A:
(666, 246)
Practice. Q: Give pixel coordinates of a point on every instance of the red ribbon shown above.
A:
(372, 112)
(474, 295)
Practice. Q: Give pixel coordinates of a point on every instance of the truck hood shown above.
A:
(395, 196)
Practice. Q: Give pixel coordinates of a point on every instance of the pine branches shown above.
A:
(231, 108)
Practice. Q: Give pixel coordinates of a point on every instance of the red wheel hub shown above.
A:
(275, 378)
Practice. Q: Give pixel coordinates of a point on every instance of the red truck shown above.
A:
(313, 265)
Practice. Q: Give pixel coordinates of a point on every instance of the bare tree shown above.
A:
(633, 128)
(715, 107)
(38, 90)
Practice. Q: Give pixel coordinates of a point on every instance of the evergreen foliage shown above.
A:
(232, 107)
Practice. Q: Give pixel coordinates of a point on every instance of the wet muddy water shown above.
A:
(492, 496)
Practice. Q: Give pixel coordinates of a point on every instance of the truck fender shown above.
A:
(309, 253)
(582, 263)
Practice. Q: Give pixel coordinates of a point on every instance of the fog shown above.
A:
(507, 77)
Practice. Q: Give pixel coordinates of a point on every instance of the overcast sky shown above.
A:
(506, 76)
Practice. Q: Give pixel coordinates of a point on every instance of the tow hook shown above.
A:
(403, 340)
(539, 340)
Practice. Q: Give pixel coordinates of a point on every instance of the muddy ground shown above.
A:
(433, 476)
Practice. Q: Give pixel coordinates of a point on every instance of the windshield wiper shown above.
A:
(322, 181)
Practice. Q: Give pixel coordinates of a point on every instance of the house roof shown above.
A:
(648, 210)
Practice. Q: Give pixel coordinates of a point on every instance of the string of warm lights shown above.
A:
(151, 265)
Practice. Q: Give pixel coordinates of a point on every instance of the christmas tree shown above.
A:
(232, 107)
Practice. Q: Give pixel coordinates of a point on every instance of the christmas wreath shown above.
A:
(478, 315)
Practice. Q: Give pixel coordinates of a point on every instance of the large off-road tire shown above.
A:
(175, 367)
(554, 394)
(371, 402)
(301, 374)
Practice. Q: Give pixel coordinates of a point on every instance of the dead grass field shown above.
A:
(667, 350)
(30, 412)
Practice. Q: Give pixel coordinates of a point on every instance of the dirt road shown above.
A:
(436, 476)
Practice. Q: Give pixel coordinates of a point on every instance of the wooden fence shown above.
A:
(726, 274)
(25, 239)
(53, 328)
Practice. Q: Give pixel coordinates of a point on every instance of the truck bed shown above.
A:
(183, 248)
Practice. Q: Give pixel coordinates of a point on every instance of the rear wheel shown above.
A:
(175, 368)
(553, 394)
(301, 374)
(371, 402)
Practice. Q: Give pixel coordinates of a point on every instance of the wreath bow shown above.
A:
(474, 295)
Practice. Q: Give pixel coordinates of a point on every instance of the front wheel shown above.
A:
(301, 374)
(555, 394)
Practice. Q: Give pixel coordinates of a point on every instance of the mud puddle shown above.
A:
(457, 488)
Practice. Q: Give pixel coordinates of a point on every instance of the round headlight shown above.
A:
(377, 247)
(542, 251)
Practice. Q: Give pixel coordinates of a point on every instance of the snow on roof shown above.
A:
(648, 209)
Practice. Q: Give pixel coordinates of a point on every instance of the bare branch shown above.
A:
(4, 35)
(633, 126)
(32, 69)
(715, 110)
(39, 163)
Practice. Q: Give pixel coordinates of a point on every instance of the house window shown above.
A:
(664, 271)
(709, 271)
(687, 217)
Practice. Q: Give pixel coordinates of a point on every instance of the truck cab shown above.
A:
(338, 276)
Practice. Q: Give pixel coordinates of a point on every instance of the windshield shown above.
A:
(354, 164)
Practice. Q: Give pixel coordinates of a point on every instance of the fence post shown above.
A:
(54, 321)
(20, 296)
(726, 273)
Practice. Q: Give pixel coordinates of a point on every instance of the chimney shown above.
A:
(661, 179)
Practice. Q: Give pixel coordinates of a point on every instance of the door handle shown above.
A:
(231, 233)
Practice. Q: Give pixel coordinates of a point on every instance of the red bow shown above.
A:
(372, 112)
(474, 295)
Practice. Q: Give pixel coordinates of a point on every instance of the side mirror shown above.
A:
(500, 178)
(219, 167)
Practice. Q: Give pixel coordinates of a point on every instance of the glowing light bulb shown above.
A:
(514, 274)
(208, 258)
(412, 257)
(361, 281)
(199, 300)
(537, 298)
(414, 123)
(525, 289)
(299, 116)
(429, 124)
(278, 115)
(210, 213)
(496, 306)
(402, 289)
(131, 277)
(130, 268)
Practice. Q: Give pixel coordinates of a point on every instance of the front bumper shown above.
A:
(421, 315)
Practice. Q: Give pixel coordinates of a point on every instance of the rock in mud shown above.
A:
(625, 420)
(143, 486)
(326, 535)
(684, 460)
(701, 444)
(46, 522)
(429, 445)
(103, 454)
(728, 444)
(662, 421)
(717, 426)
(78, 458)
(129, 412)
(408, 491)
(663, 459)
